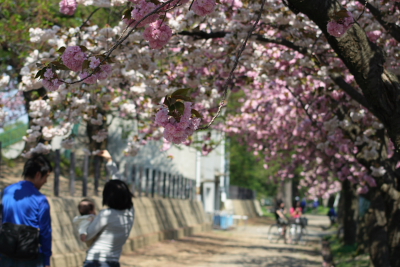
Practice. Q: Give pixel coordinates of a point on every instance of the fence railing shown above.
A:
(13, 135)
(143, 181)
(236, 192)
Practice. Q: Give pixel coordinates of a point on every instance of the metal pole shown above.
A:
(72, 174)
(173, 186)
(159, 183)
(147, 182)
(97, 166)
(164, 185)
(57, 171)
(85, 175)
(169, 185)
(140, 181)
(153, 183)
(133, 180)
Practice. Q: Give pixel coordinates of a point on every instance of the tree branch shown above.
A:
(351, 91)
(364, 59)
(391, 28)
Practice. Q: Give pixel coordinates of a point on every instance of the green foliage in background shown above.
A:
(347, 255)
(246, 170)
(13, 133)
(18, 16)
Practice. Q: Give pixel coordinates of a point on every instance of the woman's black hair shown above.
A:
(37, 163)
(278, 203)
(116, 195)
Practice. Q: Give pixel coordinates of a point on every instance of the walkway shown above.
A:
(245, 246)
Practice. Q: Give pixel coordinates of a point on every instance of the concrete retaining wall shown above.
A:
(249, 208)
(155, 220)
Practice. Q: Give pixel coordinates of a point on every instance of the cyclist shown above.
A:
(281, 219)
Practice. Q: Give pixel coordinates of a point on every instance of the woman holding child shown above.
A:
(110, 229)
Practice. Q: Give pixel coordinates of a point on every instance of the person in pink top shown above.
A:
(297, 211)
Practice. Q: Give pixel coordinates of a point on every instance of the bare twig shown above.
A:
(121, 40)
(230, 77)
(84, 23)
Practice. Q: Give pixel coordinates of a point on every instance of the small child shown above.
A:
(88, 213)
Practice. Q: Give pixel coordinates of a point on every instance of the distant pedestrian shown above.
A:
(111, 227)
(26, 210)
(87, 214)
(303, 204)
(332, 215)
(316, 203)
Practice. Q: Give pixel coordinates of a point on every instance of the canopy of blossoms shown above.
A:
(171, 65)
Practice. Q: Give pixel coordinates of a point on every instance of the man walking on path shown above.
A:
(23, 204)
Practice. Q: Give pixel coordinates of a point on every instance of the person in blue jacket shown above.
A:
(24, 204)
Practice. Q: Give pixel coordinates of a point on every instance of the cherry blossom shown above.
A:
(73, 57)
(158, 34)
(203, 7)
(68, 7)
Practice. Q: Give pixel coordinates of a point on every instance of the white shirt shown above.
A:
(82, 223)
(112, 228)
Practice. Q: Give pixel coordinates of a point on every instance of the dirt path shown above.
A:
(245, 246)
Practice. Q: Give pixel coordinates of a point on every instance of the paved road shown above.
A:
(245, 246)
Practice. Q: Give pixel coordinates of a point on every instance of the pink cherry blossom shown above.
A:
(203, 7)
(50, 81)
(91, 79)
(158, 34)
(105, 72)
(68, 7)
(94, 62)
(177, 132)
(52, 85)
(338, 28)
(73, 58)
(141, 10)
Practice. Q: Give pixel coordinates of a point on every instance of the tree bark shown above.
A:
(364, 59)
(375, 223)
(350, 213)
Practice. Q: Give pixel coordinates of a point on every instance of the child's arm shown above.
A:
(83, 237)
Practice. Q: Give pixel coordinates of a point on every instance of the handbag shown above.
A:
(19, 241)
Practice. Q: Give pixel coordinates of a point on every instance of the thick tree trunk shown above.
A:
(364, 59)
(350, 213)
(375, 222)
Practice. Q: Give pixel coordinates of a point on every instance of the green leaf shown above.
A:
(85, 64)
(83, 48)
(60, 65)
(169, 102)
(40, 73)
(127, 13)
(61, 49)
(182, 97)
(196, 113)
(182, 92)
(341, 14)
(179, 106)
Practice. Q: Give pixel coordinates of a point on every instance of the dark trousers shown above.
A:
(9, 262)
(101, 264)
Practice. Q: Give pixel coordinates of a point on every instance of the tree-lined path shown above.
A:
(245, 246)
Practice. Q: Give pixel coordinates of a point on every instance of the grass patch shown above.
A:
(320, 210)
(267, 212)
(347, 255)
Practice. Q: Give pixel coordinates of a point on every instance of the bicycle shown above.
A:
(298, 230)
(276, 232)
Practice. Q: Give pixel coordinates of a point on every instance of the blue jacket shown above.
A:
(24, 204)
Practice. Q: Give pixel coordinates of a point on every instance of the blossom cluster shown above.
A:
(339, 27)
(177, 131)
(68, 7)
(39, 149)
